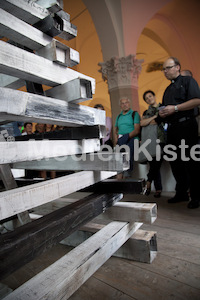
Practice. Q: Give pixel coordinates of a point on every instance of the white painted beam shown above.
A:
(26, 10)
(18, 105)
(21, 199)
(21, 32)
(101, 161)
(76, 91)
(64, 277)
(132, 211)
(11, 152)
(28, 66)
(141, 246)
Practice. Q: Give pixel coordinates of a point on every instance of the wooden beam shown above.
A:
(127, 186)
(142, 245)
(21, 32)
(69, 133)
(141, 212)
(11, 152)
(23, 106)
(29, 66)
(28, 241)
(76, 91)
(101, 161)
(65, 276)
(26, 10)
(18, 200)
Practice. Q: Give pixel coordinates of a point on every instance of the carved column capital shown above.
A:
(121, 72)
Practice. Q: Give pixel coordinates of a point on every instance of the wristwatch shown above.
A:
(176, 108)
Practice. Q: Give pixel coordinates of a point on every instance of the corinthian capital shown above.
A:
(121, 72)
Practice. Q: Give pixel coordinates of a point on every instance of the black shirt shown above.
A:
(181, 89)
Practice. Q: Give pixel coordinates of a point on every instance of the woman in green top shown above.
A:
(148, 119)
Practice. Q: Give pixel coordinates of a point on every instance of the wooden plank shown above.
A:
(23, 106)
(28, 66)
(100, 161)
(127, 186)
(24, 198)
(142, 212)
(76, 91)
(11, 152)
(141, 246)
(66, 275)
(26, 10)
(140, 282)
(27, 242)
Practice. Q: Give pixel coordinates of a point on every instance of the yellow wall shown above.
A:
(88, 46)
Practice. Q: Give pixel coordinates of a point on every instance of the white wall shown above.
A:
(168, 181)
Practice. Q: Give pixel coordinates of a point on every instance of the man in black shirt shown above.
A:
(179, 100)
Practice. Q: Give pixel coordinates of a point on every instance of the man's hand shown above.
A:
(167, 111)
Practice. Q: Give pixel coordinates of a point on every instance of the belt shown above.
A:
(183, 119)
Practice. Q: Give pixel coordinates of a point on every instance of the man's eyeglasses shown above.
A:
(168, 68)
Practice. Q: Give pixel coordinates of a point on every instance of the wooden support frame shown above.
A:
(65, 276)
(28, 241)
(18, 200)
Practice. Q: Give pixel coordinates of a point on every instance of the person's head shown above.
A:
(49, 127)
(99, 106)
(171, 68)
(186, 73)
(149, 97)
(40, 127)
(28, 127)
(125, 104)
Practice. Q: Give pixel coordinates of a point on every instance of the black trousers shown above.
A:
(186, 172)
(154, 173)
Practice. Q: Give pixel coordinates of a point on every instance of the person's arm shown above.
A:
(170, 109)
(144, 122)
(116, 136)
(135, 132)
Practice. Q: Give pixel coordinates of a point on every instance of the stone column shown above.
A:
(121, 75)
